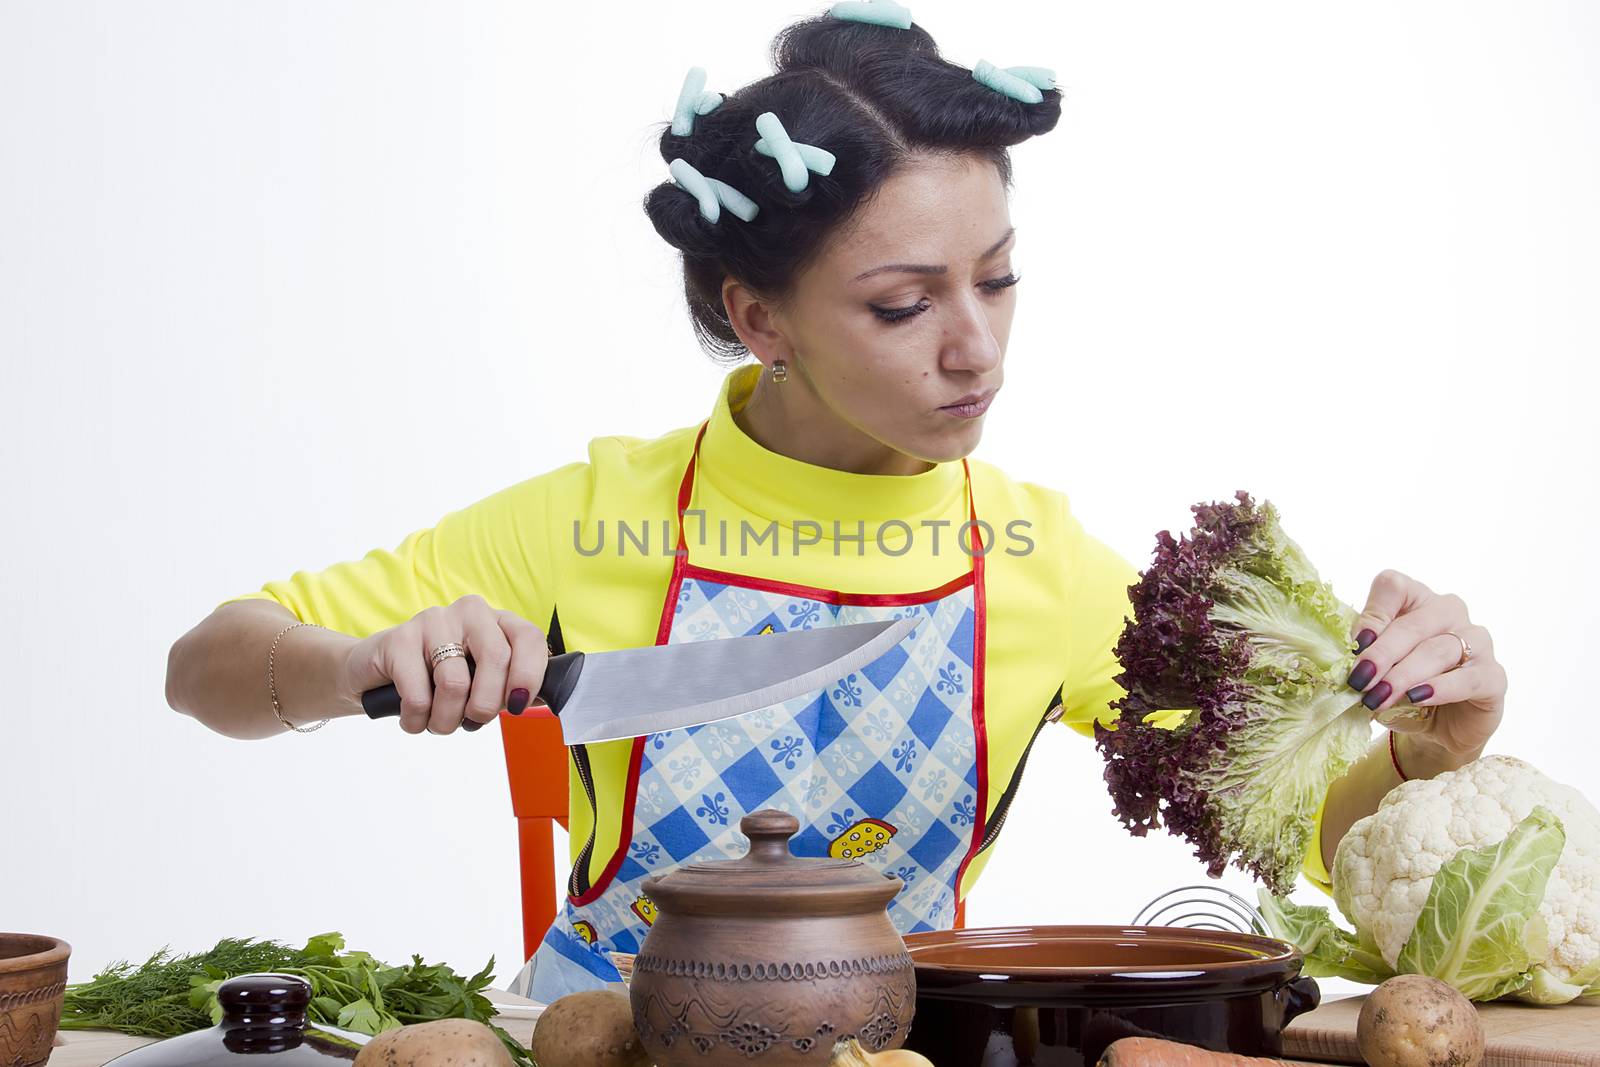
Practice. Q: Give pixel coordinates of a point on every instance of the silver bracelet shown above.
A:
(272, 686)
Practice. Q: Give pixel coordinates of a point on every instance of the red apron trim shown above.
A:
(980, 731)
(612, 865)
(636, 758)
(687, 481)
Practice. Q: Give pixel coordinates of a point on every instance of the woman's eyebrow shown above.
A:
(924, 268)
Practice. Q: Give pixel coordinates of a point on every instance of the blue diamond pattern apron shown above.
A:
(886, 765)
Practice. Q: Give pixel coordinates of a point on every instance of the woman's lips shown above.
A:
(973, 408)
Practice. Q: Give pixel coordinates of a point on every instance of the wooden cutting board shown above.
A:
(1519, 1035)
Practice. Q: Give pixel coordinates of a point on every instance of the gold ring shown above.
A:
(444, 652)
(1466, 649)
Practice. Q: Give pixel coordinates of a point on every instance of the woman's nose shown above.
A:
(970, 343)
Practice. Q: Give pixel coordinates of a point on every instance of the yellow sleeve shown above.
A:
(1316, 871)
(497, 547)
(1095, 613)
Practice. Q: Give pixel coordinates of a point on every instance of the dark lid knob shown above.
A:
(769, 831)
(256, 995)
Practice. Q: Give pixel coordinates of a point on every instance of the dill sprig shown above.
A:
(152, 1000)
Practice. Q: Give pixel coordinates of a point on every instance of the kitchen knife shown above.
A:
(631, 692)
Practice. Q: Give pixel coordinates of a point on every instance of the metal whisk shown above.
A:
(1203, 907)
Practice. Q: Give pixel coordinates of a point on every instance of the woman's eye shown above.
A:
(994, 285)
(899, 314)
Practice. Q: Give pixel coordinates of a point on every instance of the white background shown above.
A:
(280, 283)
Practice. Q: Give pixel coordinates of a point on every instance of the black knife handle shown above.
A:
(560, 678)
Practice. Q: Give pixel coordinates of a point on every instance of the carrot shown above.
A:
(1156, 1052)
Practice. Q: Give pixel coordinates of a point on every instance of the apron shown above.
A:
(886, 765)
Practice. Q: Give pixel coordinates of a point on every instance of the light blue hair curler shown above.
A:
(1019, 83)
(795, 160)
(713, 195)
(877, 12)
(693, 100)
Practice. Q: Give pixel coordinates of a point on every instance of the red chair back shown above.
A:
(536, 764)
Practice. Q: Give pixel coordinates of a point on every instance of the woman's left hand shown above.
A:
(1405, 651)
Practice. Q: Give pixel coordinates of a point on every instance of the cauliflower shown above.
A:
(1487, 877)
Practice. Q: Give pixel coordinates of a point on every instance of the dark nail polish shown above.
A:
(1361, 675)
(517, 701)
(1418, 693)
(1379, 694)
(470, 725)
(1363, 639)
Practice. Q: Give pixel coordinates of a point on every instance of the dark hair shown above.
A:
(872, 95)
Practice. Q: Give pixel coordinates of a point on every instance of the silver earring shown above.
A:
(780, 371)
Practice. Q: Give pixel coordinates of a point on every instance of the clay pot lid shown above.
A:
(769, 879)
(261, 1014)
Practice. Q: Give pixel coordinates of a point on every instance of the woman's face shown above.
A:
(905, 314)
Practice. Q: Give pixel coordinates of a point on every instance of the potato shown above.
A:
(1416, 1021)
(440, 1043)
(849, 1053)
(592, 1028)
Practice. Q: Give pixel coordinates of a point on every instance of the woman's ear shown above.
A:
(756, 323)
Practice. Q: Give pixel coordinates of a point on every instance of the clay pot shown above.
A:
(33, 983)
(771, 958)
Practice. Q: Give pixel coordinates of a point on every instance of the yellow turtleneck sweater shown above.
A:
(1055, 606)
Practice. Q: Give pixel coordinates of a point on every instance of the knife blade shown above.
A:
(631, 692)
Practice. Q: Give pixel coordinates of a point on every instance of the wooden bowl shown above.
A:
(33, 984)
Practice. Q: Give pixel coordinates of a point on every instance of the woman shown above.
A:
(845, 222)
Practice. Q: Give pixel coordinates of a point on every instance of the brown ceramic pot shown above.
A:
(1056, 996)
(771, 958)
(33, 983)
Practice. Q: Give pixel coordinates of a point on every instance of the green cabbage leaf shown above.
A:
(1479, 930)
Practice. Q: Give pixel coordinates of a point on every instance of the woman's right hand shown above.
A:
(509, 654)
